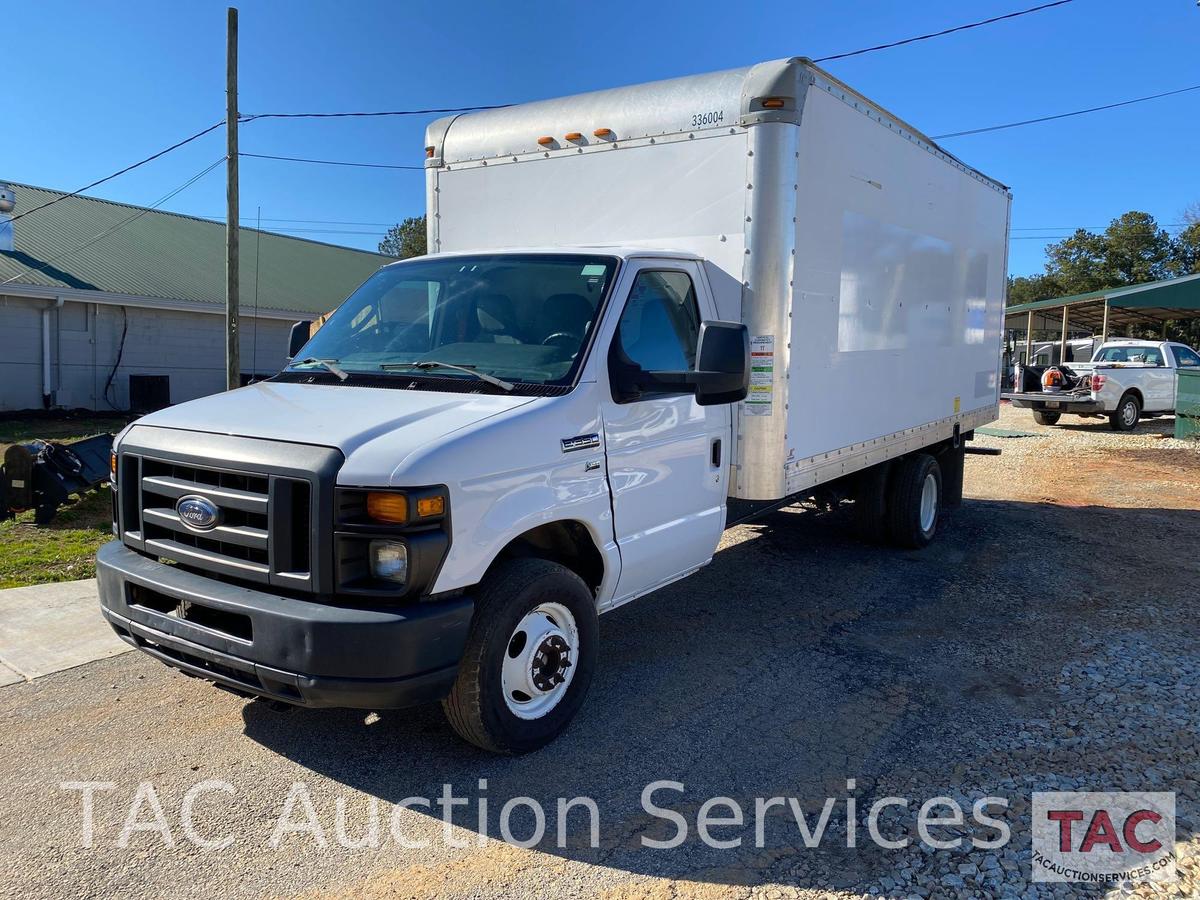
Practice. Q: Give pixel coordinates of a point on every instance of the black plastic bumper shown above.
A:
(298, 651)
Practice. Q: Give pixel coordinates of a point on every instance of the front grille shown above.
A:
(231, 624)
(263, 534)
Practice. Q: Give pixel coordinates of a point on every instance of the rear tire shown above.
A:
(1125, 416)
(914, 501)
(507, 698)
(1046, 418)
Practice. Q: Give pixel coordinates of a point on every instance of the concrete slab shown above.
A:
(50, 627)
(8, 676)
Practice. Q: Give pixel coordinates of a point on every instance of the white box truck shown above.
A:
(643, 308)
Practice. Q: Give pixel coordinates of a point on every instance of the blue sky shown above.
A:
(92, 87)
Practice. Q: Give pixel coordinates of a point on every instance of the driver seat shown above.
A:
(497, 319)
(566, 314)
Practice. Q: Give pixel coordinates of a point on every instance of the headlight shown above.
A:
(389, 561)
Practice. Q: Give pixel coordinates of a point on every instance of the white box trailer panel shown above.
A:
(868, 263)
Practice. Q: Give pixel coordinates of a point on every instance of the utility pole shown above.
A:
(233, 364)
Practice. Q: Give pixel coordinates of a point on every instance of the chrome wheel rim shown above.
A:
(540, 661)
(929, 499)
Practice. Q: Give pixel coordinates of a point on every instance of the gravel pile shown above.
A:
(1125, 721)
(1074, 434)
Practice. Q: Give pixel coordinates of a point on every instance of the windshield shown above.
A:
(519, 318)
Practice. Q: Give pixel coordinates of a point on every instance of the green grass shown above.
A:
(64, 550)
(14, 431)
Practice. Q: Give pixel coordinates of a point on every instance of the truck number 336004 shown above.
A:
(708, 118)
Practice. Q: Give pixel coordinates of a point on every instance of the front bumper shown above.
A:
(1063, 403)
(294, 650)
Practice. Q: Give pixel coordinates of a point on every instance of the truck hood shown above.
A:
(333, 416)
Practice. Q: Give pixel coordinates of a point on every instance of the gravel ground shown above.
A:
(1048, 640)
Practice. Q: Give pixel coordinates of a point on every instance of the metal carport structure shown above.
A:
(1152, 303)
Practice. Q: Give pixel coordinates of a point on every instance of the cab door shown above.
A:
(1159, 382)
(667, 456)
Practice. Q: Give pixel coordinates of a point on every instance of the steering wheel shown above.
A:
(565, 339)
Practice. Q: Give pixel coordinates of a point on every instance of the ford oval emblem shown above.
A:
(198, 512)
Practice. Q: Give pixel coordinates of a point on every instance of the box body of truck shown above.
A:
(868, 263)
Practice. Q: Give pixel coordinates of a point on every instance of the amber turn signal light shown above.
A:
(431, 506)
(391, 508)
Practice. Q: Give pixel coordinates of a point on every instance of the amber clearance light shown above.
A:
(392, 508)
(431, 506)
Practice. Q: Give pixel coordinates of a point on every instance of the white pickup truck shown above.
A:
(648, 313)
(1126, 380)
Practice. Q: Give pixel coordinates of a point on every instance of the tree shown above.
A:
(406, 239)
(1027, 288)
(1133, 249)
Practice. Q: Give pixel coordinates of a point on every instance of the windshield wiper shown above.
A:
(434, 364)
(329, 365)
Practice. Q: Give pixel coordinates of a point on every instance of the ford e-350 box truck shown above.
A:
(643, 308)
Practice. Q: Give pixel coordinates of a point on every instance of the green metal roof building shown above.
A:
(102, 302)
(1151, 303)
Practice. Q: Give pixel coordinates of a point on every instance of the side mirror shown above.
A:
(298, 338)
(722, 363)
(722, 373)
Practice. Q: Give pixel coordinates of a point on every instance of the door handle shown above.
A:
(715, 454)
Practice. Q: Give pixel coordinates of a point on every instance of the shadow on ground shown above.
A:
(798, 659)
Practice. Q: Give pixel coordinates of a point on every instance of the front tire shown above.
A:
(1046, 418)
(1125, 416)
(914, 501)
(529, 659)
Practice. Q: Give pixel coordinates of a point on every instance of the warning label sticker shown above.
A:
(760, 400)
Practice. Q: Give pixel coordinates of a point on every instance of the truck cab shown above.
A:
(561, 418)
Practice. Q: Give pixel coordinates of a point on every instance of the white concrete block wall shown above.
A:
(85, 339)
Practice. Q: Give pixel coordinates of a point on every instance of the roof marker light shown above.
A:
(573, 136)
(773, 103)
(602, 132)
(545, 140)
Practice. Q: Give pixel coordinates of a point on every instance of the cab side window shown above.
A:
(660, 326)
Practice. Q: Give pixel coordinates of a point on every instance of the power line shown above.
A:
(130, 168)
(1078, 112)
(137, 215)
(321, 231)
(401, 112)
(1073, 228)
(300, 221)
(935, 34)
(329, 162)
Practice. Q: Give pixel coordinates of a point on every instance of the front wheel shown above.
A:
(1046, 418)
(914, 501)
(529, 658)
(1125, 416)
